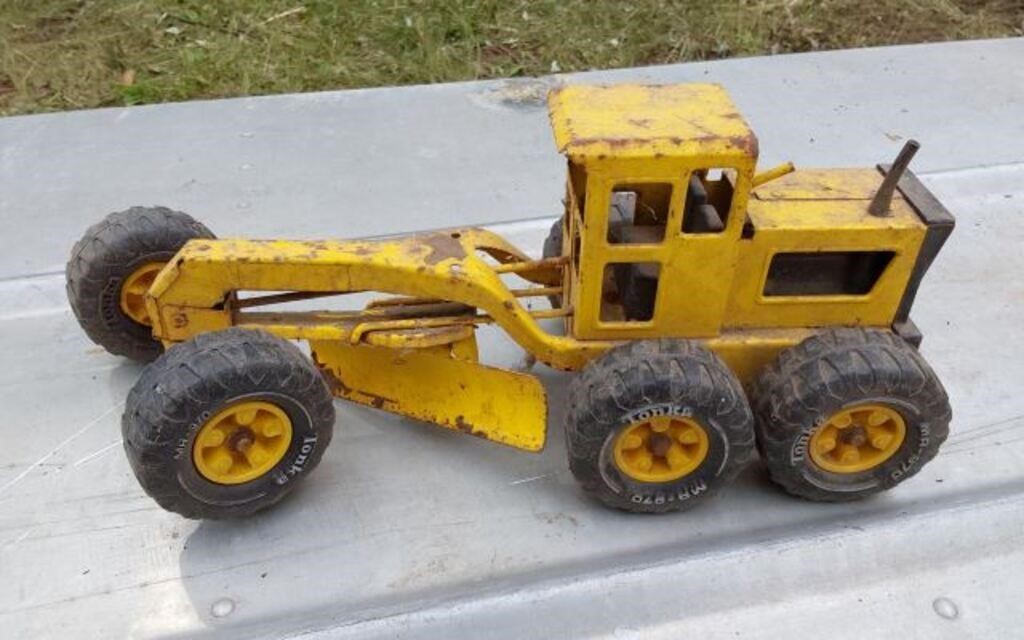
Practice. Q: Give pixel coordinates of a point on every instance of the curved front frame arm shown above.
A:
(188, 297)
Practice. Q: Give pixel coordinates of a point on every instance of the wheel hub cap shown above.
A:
(857, 439)
(133, 292)
(242, 442)
(662, 449)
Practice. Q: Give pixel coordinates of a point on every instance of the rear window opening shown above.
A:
(708, 200)
(826, 273)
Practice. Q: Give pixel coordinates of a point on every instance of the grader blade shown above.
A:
(432, 385)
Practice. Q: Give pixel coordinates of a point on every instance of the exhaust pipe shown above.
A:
(879, 206)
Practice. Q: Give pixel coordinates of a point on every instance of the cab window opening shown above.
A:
(629, 291)
(825, 273)
(638, 213)
(709, 196)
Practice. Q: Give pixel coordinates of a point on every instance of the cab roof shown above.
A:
(597, 122)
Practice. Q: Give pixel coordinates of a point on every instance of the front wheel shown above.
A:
(111, 269)
(227, 424)
(657, 425)
(848, 413)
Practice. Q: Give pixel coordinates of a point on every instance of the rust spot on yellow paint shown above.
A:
(335, 384)
(339, 388)
(465, 427)
(365, 250)
(442, 247)
(748, 144)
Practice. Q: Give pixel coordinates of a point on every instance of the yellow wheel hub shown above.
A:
(242, 442)
(662, 449)
(857, 439)
(133, 292)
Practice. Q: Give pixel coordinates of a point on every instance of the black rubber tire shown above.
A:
(832, 370)
(662, 376)
(553, 249)
(107, 254)
(193, 381)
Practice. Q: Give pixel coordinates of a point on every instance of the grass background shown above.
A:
(72, 54)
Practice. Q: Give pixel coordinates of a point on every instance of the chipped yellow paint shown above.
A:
(812, 216)
(648, 122)
(635, 134)
(416, 354)
(835, 220)
(436, 386)
(717, 279)
(822, 184)
(188, 296)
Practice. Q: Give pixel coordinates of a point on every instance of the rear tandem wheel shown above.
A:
(848, 413)
(657, 425)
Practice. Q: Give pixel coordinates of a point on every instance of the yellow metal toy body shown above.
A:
(711, 283)
(668, 232)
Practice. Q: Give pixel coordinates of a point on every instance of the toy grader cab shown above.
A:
(712, 310)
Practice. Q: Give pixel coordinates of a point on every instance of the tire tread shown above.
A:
(105, 254)
(189, 376)
(796, 389)
(663, 370)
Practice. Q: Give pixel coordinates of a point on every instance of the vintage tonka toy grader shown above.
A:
(712, 310)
